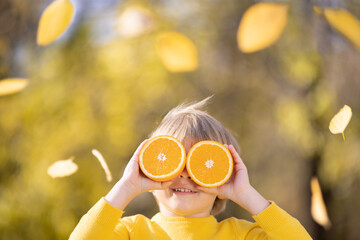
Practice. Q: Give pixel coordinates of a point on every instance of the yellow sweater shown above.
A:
(103, 221)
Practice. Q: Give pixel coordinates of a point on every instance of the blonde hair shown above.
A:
(187, 122)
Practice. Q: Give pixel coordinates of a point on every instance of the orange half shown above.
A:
(162, 158)
(209, 163)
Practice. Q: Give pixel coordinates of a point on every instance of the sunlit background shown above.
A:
(107, 82)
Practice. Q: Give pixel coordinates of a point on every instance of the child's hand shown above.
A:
(238, 188)
(132, 183)
(136, 180)
(238, 183)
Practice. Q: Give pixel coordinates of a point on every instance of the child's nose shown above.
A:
(184, 174)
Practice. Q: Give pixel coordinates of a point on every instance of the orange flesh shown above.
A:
(162, 157)
(209, 164)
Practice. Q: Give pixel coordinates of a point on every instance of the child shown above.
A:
(188, 215)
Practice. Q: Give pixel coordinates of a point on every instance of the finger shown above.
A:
(153, 185)
(149, 184)
(208, 190)
(236, 157)
(135, 157)
(166, 184)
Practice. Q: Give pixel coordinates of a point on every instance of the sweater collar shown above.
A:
(159, 217)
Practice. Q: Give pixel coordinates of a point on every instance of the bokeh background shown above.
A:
(95, 87)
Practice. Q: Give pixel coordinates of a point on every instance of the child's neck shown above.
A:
(170, 213)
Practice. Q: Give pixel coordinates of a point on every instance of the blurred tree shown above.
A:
(98, 88)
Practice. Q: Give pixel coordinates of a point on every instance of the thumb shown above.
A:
(208, 190)
(166, 184)
(159, 185)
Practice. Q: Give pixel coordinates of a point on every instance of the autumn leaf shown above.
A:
(177, 52)
(318, 208)
(54, 21)
(340, 121)
(62, 168)
(103, 163)
(344, 22)
(318, 10)
(261, 26)
(12, 85)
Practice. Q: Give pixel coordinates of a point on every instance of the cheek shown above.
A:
(162, 196)
(207, 198)
(159, 194)
(210, 197)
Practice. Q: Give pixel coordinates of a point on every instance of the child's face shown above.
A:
(173, 201)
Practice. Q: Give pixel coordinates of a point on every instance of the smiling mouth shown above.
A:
(182, 190)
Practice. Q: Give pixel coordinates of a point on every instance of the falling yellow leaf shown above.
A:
(345, 23)
(62, 168)
(340, 121)
(318, 10)
(103, 163)
(177, 52)
(318, 208)
(12, 85)
(54, 21)
(261, 25)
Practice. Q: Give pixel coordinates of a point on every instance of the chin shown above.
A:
(182, 210)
